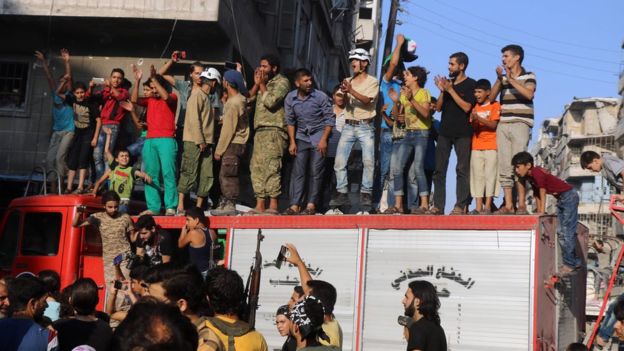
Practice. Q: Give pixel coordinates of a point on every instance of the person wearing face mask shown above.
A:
(361, 91)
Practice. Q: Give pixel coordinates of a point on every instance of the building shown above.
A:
(101, 35)
(586, 124)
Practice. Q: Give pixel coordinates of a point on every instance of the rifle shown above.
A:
(252, 288)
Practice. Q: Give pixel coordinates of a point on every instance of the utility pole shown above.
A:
(394, 7)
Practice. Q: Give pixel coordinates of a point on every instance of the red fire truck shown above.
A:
(495, 275)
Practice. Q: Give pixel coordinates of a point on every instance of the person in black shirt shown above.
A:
(421, 304)
(84, 328)
(455, 101)
(153, 244)
(283, 327)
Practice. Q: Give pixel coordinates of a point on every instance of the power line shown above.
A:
(498, 46)
(489, 54)
(489, 20)
(592, 59)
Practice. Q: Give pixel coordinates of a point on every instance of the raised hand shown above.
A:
(65, 55)
(138, 74)
(400, 39)
(499, 72)
(40, 56)
(257, 76)
(152, 72)
(126, 105)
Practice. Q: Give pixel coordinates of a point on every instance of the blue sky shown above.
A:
(573, 47)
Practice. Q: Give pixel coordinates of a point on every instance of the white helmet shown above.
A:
(211, 73)
(359, 54)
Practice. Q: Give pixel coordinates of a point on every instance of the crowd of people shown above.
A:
(189, 130)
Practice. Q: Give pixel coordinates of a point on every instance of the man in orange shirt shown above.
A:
(483, 160)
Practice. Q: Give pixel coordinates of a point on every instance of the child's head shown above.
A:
(416, 74)
(117, 77)
(123, 157)
(80, 89)
(194, 217)
(148, 91)
(338, 96)
(111, 200)
(163, 83)
(482, 91)
(591, 160)
(137, 273)
(522, 163)
(576, 346)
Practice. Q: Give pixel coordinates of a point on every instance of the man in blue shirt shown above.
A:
(310, 118)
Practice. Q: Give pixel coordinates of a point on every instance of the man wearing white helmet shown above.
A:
(361, 92)
(198, 140)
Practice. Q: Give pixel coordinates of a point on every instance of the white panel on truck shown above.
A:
(330, 254)
(484, 280)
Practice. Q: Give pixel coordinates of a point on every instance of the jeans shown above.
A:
(385, 155)
(56, 159)
(608, 323)
(567, 213)
(462, 147)
(416, 141)
(98, 151)
(365, 134)
(136, 149)
(310, 164)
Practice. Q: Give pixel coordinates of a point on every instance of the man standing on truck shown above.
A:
(114, 228)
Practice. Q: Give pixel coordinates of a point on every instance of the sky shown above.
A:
(573, 47)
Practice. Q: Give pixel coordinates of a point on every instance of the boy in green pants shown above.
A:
(160, 148)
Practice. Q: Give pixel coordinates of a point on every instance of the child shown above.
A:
(111, 114)
(120, 174)
(87, 127)
(160, 148)
(231, 145)
(612, 168)
(199, 238)
(198, 137)
(483, 160)
(567, 204)
(136, 148)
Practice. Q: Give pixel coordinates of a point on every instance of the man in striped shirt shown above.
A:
(517, 89)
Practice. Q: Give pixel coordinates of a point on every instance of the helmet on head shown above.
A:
(359, 54)
(211, 73)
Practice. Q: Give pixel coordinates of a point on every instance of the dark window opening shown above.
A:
(13, 80)
(366, 13)
(42, 233)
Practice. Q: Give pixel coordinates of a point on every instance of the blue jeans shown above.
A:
(385, 154)
(567, 213)
(365, 134)
(98, 151)
(136, 150)
(608, 323)
(416, 141)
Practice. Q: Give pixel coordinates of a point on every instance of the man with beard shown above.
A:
(269, 90)
(423, 332)
(20, 332)
(310, 118)
(455, 101)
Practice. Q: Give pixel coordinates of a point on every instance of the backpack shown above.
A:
(232, 330)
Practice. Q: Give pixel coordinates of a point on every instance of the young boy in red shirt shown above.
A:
(567, 204)
(160, 148)
(483, 159)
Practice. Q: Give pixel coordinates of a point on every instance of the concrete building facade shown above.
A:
(101, 35)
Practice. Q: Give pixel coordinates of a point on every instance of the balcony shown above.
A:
(188, 10)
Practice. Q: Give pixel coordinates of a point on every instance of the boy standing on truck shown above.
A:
(611, 167)
(567, 204)
(114, 228)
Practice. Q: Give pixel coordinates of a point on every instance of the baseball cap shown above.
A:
(359, 54)
(235, 78)
(211, 73)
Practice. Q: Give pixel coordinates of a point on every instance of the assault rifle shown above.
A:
(252, 289)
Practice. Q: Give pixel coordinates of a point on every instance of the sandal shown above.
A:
(435, 211)
(79, 191)
(474, 212)
(504, 211)
(457, 211)
(392, 211)
(522, 212)
(290, 212)
(308, 212)
(419, 211)
(485, 212)
(272, 212)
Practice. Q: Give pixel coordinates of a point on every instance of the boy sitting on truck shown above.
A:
(611, 167)
(567, 204)
(120, 174)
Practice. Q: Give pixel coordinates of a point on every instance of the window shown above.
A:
(366, 13)
(13, 80)
(92, 245)
(8, 240)
(42, 233)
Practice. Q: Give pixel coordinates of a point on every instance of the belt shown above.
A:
(357, 122)
(270, 127)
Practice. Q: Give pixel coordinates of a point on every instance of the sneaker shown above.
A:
(170, 212)
(334, 211)
(341, 199)
(227, 208)
(362, 213)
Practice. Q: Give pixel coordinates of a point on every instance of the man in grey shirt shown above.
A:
(611, 167)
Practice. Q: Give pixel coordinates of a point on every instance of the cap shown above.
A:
(235, 78)
(211, 73)
(359, 54)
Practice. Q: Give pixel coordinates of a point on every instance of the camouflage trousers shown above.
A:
(196, 170)
(266, 162)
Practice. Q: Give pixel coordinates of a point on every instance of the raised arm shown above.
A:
(138, 74)
(107, 152)
(162, 92)
(296, 260)
(39, 55)
(497, 85)
(394, 60)
(78, 222)
(68, 72)
(165, 68)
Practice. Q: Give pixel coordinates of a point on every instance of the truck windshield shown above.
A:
(42, 232)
